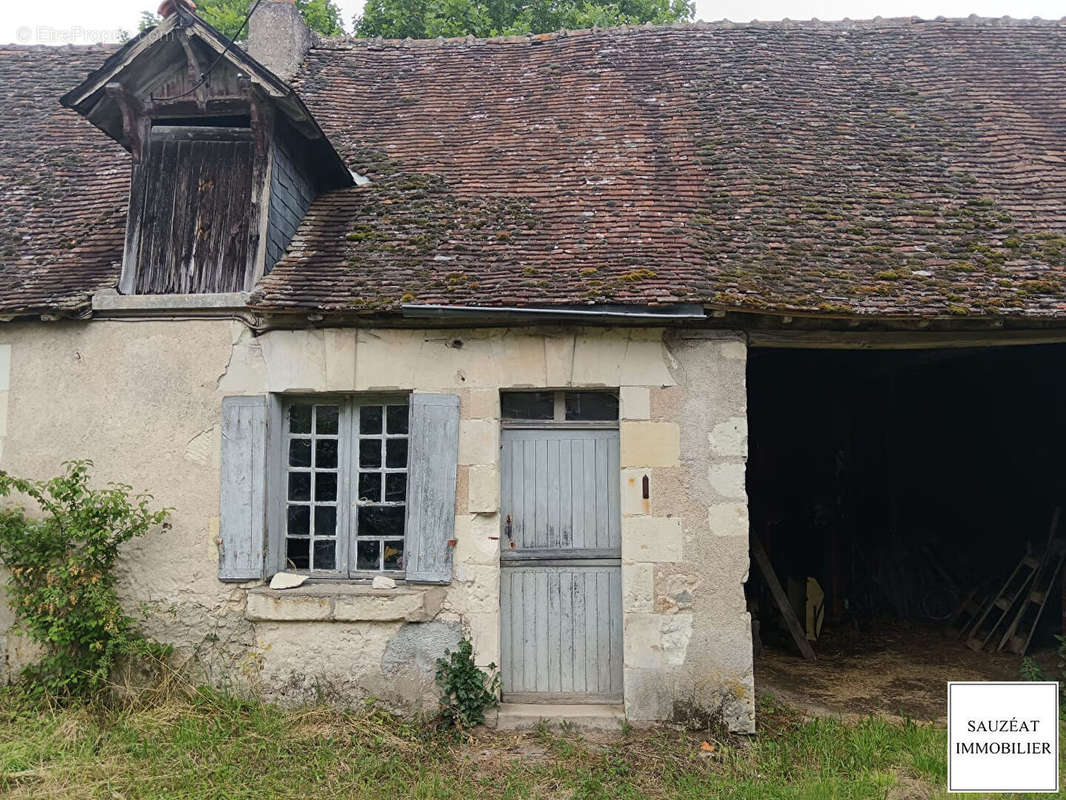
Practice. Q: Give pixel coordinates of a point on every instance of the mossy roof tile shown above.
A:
(898, 167)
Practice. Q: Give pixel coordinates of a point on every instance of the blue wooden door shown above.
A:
(561, 592)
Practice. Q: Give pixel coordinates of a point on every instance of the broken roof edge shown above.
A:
(814, 24)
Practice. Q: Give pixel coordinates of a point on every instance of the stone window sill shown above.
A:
(343, 602)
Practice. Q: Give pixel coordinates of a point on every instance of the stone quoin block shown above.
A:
(633, 500)
(477, 538)
(637, 587)
(648, 694)
(728, 479)
(484, 631)
(651, 539)
(634, 402)
(484, 490)
(650, 444)
(642, 641)
(479, 441)
(729, 438)
(482, 404)
(728, 519)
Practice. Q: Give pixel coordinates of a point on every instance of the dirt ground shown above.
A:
(898, 669)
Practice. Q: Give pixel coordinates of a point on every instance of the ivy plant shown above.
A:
(466, 690)
(62, 583)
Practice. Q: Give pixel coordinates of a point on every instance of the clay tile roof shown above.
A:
(893, 167)
(64, 186)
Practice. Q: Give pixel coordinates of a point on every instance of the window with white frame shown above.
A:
(345, 483)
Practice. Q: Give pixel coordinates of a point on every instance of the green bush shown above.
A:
(466, 691)
(62, 581)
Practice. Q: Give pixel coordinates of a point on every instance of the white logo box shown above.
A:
(1003, 737)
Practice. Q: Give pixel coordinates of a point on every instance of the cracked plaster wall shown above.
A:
(143, 401)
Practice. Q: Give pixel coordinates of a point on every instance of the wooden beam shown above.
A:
(264, 129)
(794, 627)
(135, 122)
(138, 191)
(193, 70)
(902, 340)
(129, 54)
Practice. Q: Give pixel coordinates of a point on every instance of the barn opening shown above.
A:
(893, 486)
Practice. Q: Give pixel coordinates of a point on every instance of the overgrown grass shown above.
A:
(214, 746)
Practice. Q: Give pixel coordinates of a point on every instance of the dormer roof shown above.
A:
(184, 66)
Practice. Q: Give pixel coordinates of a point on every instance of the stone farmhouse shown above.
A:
(490, 318)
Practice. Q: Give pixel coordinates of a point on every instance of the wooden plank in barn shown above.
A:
(799, 636)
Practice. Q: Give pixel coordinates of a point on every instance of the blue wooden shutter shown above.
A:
(433, 458)
(242, 506)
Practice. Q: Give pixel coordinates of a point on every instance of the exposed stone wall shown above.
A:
(687, 638)
(143, 400)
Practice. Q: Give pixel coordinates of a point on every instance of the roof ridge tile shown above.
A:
(814, 24)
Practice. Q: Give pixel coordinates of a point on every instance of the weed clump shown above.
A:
(466, 691)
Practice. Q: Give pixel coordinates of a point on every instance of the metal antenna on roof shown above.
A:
(229, 44)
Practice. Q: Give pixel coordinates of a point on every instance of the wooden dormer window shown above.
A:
(226, 158)
(190, 212)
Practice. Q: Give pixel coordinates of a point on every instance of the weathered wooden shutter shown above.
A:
(242, 507)
(433, 458)
(277, 480)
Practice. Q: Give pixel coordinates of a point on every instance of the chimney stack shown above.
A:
(278, 37)
(168, 7)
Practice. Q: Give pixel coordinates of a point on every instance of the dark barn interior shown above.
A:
(906, 483)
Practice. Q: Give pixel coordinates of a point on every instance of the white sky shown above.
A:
(84, 21)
